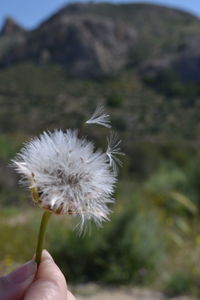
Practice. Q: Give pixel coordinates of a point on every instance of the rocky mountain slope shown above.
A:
(141, 61)
(91, 40)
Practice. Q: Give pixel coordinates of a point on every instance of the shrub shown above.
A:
(126, 250)
(179, 283)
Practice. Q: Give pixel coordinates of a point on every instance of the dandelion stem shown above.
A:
(41, 236)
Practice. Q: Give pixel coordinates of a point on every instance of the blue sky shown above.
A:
(31, 13)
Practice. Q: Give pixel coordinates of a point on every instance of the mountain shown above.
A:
(86, 44)
(10, 27)
(141, 61)
(91, 40)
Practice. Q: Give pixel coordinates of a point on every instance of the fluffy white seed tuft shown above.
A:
(100, 117)
(113, 150)
(67, 176)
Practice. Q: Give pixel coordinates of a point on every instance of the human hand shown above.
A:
(28, 283)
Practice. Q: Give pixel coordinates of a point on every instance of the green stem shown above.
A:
(41, 236)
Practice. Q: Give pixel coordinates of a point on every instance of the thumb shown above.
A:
(49, 283)
(14, 285)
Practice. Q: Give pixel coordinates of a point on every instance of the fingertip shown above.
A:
(49, 280)
(14, 285)
(48, 270)
(46, 256)
(24, 273)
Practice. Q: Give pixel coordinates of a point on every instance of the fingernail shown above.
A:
(46, 255)
(25, 272)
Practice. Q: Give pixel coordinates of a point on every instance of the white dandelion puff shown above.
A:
(67, 176)
(113, 150)
(100, 117)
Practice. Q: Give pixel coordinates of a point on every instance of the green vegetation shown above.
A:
(44, 97)
(153, 237)
(179, 283)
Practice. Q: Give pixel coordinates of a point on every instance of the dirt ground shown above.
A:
(93, 292)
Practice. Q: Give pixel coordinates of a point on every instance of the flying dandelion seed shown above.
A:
(113, 151)
(66, 175)
(100, 117)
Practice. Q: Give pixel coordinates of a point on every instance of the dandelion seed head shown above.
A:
(67, 175)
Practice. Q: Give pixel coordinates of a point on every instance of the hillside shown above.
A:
(92, 40)
(140, 60)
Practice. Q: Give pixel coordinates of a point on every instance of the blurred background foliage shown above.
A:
(154, 234)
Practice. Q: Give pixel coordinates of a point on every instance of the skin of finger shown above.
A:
(49, 283)
(9, 292)
(14, 285)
